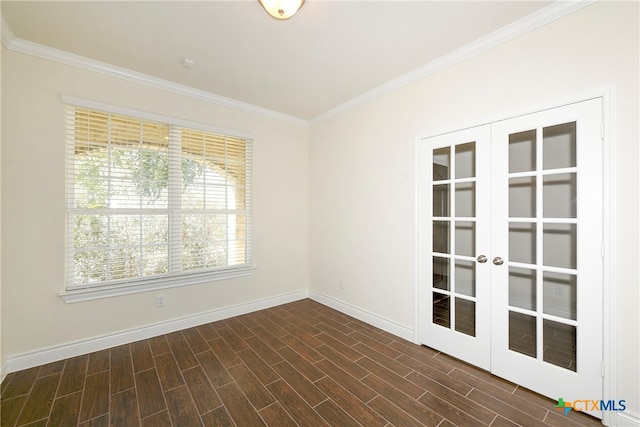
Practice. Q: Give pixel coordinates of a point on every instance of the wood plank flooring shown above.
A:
(298, 364)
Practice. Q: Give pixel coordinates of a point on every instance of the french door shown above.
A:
(511, 248)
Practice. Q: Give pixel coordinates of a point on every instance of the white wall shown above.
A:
(362, 171)
(34, 317)
(1, 348)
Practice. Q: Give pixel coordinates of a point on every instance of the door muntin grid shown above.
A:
(542, 256)
(454, 237)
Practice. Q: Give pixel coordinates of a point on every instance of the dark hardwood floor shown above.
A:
(298, 364)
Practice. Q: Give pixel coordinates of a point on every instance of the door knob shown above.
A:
(498, 261)
(482, 259)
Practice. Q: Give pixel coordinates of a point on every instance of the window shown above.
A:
(150, 202)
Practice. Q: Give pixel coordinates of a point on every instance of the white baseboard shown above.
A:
(366, 316)
(625, 419)
(52, 354)
(3, 371)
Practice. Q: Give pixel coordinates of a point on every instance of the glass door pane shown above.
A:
(454, 237)
(543, 241)
(559, 245)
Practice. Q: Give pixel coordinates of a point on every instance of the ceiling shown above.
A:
(327, 54)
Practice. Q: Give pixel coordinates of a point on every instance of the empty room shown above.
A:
(332, 213)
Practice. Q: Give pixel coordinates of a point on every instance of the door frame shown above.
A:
(608, 133)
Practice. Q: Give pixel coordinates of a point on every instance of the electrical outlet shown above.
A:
(160, 301)
(341, 284)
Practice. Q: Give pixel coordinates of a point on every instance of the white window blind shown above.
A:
(150, 201)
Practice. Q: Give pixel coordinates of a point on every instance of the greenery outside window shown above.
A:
(150, 202)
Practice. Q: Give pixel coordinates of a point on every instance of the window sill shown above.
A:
(108, 291)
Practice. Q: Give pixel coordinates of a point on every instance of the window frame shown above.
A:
(77, 293)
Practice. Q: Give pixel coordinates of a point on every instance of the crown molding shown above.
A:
(509, 32)
(7, 36)
(44, 52)
(529, 23)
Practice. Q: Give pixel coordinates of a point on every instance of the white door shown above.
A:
(455, 230)
(547, 226)
(532, 279)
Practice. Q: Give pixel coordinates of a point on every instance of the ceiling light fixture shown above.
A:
(281, 9)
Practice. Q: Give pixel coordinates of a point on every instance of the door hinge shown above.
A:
(602, 368)
(602, 131)
(602, 249)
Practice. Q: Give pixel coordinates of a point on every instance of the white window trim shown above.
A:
(144, 115)
(108, 291)
(94, 292)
